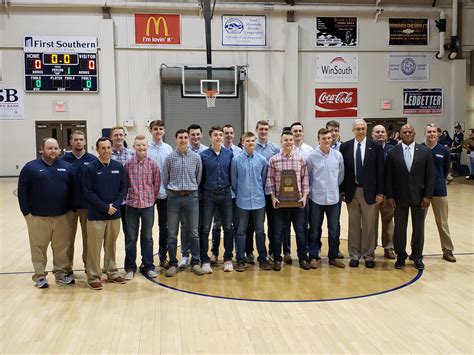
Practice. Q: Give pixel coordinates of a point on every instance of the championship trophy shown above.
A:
(288, 194)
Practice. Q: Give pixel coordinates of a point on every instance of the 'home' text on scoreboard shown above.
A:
(60, 63)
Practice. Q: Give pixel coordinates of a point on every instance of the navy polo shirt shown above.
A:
(79, 164)
(441, 162)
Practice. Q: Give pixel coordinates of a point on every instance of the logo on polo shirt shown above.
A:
(115, 171)
(439, 155)
(61, 169)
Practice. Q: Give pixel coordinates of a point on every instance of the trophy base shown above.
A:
(289, 204)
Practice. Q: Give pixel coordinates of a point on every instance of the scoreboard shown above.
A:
(60, 65)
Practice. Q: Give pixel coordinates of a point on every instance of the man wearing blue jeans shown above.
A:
(216, 192)
(181, 178)
(143, 179)
(326, 173)
(248, 175)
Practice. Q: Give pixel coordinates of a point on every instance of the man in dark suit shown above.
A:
(362, 189)
(409, 184)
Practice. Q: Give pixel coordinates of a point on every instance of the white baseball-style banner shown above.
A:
(337, 67)
(408, 67)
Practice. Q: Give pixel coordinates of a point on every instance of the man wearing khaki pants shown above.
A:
(105, 186)
(44, 194)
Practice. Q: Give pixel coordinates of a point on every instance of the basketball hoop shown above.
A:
(211, 97)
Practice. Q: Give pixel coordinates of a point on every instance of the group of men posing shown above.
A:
(194, 185)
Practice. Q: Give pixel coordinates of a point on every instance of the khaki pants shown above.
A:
(98, 233)
(386, 214)
(41, 232)
(439, 204)
(361, 242)
(80, 215)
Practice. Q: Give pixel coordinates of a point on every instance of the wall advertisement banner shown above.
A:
(336, 32)
(12, 104)
(408, 31)
(245, 31)
(337, 67)
(422, 101)
(339, 102)
(59, 44)
(408, 67)
(157, 29)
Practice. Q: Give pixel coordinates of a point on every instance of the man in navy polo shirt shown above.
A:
(44, 193)
(79, 159)
(105, 187)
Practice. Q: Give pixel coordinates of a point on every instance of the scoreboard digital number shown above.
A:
(61, 72)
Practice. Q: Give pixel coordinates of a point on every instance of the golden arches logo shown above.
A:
(156, 23)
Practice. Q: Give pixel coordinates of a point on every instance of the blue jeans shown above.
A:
(185, 231)
(285, 216)
(316, 218)
(258, 218)
(213, 201)
(180, 207)
(147, 217)
(216, 228)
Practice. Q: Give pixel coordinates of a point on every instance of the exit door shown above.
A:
(59, 130)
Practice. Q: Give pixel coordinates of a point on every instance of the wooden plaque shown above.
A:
(289, 194)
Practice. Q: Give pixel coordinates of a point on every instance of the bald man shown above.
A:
(44, 193)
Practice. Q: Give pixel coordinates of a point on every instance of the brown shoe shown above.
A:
(287, 259)
(95, 286)
(448, 256)
(389, 254)
(165, 264)
(277, 265)
(337, 263)
(315, 263)
(118, 280)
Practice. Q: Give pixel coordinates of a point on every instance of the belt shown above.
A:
(182, 192)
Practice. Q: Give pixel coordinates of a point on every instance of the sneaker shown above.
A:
(228, 266)
(240, 267)
(250, 259)
(151, 273)
(171, 272)
(287, 259)
(164, 264)
(448, 256)
(67, 280)
(265, 265)
(42, 283)
(199, 271)
(315, 263)
(214, 259)
(206, 267)
(183, 263)
(95, 286)
(129, 275)
(117, 280)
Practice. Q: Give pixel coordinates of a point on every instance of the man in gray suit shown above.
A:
(409, 184)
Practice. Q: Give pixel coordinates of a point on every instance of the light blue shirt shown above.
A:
(201, 148)
(234, 148)
(158, 153)
(326, 173)
(248, 175)
(268, 149)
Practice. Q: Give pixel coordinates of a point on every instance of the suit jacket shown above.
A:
(409, 187)
(372, 180)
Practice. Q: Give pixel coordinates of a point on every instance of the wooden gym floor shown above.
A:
(328, 310)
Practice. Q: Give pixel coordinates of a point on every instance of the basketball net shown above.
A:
(211, 97)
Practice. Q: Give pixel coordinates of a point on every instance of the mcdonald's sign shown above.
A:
(157, 29)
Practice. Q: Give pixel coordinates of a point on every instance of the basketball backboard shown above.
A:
(197, 80)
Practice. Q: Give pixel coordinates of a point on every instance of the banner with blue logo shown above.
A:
(245, 31)
(422, 101)
(408, 67)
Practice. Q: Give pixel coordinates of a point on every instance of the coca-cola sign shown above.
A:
(336, 103)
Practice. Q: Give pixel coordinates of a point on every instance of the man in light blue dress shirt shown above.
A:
(326, 173)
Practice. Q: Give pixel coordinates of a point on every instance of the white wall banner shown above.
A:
(337, 67)
(247, 31)
(408, 67)
(59, 44)
(12, 104)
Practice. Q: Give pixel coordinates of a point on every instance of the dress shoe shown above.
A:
(400, 264)
(287, 259)
(277, 265)
(304, 264)
(165, 264)
(389, 254)
(336, 263)
(419, 264)
(315, 263)
(339, 255)
(354, 263)
(370, 264)
(448, 256)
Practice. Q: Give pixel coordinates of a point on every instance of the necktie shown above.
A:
(358, 165)
(408, 157)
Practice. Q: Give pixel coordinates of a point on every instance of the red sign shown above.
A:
(336, 103)
(157, 29)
